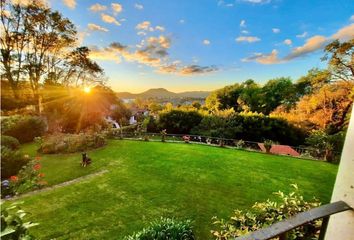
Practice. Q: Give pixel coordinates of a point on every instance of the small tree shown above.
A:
(268, 145)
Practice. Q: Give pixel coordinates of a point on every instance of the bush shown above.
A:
(267, 213)
(13, 225)
(179, 121)
(70, 143)
(10, 142)
(165, 229)
(268, 145)
(11, 162)
(24, 128)
(253, 127)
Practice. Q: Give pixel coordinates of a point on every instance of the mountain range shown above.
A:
(163, 93)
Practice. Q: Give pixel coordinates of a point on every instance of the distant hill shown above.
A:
(163, 93)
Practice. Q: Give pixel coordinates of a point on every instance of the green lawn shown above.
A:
(147, 180)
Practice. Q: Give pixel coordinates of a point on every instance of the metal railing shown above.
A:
(304, 152)
(280, 229)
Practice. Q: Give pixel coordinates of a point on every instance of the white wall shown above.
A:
(341, 225)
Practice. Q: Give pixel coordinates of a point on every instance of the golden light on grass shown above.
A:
(87, 89)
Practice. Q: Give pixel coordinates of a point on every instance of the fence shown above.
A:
(305, 152)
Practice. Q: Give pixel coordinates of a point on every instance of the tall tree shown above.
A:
(340, 56)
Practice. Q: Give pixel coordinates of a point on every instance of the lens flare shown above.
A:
(87, 89)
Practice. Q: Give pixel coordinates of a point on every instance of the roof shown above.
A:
(280, 149)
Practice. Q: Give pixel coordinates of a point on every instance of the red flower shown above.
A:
(37, 158)
(41, 175)
(14, 178)
(37, 166)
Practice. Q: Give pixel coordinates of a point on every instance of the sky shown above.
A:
(206, 44)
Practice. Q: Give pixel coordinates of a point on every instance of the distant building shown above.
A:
(137, 113)
(280, 149)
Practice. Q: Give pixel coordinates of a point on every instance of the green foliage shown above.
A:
(327, 146)
(267, 213)
(70, 143)
(250, 127)
(13, 224)
(165, 229)
(121, 113)
(151, 124)
(11, 162)
(268, 145)
(24, 128)
(10, 142)
(179, 121)
(28, 178)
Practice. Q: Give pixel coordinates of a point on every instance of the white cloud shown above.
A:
(70, 3)
(245, 32)
(243, 23)
(97, 8)
(344, 33)
(288, 42)
(95, 27)
(160, 28)
(182, 21)
(138, 6)
(302, 35)
(143, 25)
(109, 19)
(258, 1)
(271, 58)
(275, 30)
(249, 39)
(117, 8)
(206, 42)
(141, 33)
(351, 18)
(312, 44)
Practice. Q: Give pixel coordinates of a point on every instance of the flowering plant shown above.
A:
(186, 138)
(28, 178)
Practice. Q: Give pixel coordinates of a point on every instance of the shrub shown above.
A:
(13, 225)
(179, 121)
(240, 143)
(70, 143)
(11, 162)
(10, 142)
(165, 229)
(255, 127)
(266, 213)
(24, 128)
(268, 145)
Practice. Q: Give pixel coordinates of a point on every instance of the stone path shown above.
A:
(63, 184)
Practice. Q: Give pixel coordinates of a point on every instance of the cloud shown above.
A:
(243, 23)
(160, 28)
(351, 18)
(97, 8)
(206, 42)
(224, 4)
(105, 54)
(344, 33)
(95, 27)
(164, 41)
(245, 32)
(312, 44)
(186, 70)
(139, 6)
(303, 35)
(275, 30)
(257, 1)
(143, 25)
(70, 3)
(287, 42)
(271, 58)
(116, 7)
(109, 19)
(182, 21)
(141, 33)
(249, 39)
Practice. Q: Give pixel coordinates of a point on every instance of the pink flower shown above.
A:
(37, 166)
(14, 178)
(37, 158)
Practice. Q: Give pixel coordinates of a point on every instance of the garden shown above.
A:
(145, 181)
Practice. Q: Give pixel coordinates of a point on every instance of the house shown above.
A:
(138, 113)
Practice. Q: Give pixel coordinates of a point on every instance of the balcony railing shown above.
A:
(281, 228)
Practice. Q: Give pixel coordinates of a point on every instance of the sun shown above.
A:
(87, 89)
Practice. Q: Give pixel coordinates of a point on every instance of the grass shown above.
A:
(147, 180)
